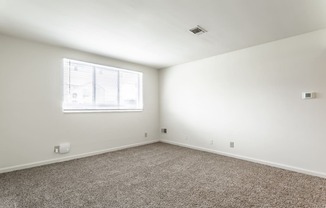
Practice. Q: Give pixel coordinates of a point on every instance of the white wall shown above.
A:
(253, 97)
(31, 118)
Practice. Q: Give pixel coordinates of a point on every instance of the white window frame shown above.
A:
(68, 108)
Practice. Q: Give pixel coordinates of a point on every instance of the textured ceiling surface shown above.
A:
(156, 32)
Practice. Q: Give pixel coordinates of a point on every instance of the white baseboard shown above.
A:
(72, 157)
(272, 164)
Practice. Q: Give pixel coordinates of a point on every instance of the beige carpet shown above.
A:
(160, 175)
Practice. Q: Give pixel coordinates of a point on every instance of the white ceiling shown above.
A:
(156, 32)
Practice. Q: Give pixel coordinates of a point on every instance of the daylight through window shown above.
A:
(89, 87)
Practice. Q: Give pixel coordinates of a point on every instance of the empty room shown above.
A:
(163, 103)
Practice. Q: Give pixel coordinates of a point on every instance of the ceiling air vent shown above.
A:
(197, 30)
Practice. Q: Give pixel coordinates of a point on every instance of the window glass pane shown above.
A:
(106, 87)
(80, 89)
(129, 90)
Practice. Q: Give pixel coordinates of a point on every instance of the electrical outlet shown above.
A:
(212, 142)
(56, 149)
(146, 134)
(164, 131)
(231, 144)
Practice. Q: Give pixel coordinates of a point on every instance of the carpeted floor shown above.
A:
(160, 175)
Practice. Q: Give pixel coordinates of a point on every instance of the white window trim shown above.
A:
(67, 110)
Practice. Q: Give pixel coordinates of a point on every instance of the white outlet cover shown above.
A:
(64, 148)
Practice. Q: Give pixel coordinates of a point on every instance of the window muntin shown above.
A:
(92, 87)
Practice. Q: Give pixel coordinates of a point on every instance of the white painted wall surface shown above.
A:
(31, 117)
(252, 97)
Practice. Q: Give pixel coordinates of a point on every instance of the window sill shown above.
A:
(102, 111)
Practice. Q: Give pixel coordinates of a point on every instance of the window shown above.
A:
(92, 87)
